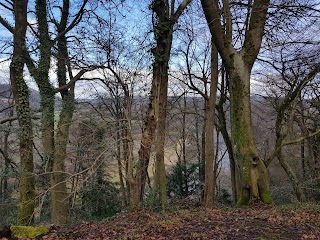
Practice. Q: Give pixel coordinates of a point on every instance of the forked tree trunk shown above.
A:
(21, 97)
(253, 172)
(59, 194)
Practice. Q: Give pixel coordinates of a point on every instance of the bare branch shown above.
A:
(300, 139)
(75, 21)
(9, 119)
(6, 24)
(72, 81)
(180, 9)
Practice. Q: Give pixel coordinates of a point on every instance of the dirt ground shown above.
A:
(258, 222)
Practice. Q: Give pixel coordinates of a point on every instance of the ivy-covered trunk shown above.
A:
(41, 76)
(253, 172)
(21, 97)
(165, 18)
(59, 195)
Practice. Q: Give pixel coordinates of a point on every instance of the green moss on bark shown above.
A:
(265, 196)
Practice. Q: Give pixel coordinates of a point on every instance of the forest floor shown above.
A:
(257, 222)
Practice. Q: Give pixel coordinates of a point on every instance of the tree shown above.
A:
(54, 147)
(290, 66)
(295, 78)
(21, 97)
(238, 64)
(202, 78)
(165, 17)
(210, 166)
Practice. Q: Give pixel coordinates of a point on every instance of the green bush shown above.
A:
(100, 201)
(224, 197)
(183, 180)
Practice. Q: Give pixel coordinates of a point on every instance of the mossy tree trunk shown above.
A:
(161, 74)
(253, 172)
(163, 35)
(21, 97)
(59, 198)
(54, 147)
(41, 76)
(59, 201)
(238, 63)
(166, 17)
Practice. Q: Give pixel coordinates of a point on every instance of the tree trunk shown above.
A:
(293, 178)
(164, 20)
(138, 183)
(234, 171)
(185, 192)
(59, 201)
(128, 156)
(59, 194)
(209, 183)
(41, 76)
(161, 75)
(254, 175)
(118, 156)
(5, 153)
(21, 96)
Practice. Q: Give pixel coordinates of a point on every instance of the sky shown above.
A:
(135, 18)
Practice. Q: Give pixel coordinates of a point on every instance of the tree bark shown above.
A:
(253, 173)
(209, 183)
(59, 201)
(293, 178)
(234, 171)
(161, 74)
(166, 17)
(59, 194)
(21, 97)
(41, 76)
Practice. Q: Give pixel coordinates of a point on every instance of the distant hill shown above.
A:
(6, 94)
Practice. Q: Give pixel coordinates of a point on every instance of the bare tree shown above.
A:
(239, 63)
(165, 17)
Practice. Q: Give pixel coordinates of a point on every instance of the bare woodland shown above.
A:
(109, 106)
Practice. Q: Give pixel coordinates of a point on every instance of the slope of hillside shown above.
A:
(259, 222)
